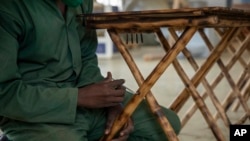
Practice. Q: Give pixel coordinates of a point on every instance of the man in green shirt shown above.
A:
(51, 87)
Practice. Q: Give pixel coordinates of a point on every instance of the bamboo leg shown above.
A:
(237, 105)
(231, 97)
(154, 106)
(243, 63)
(149, 82)
(209, 91)
(246, 96)
(182, 98)
(233, 85)
(204, 81)
(214, 84)
(231, 48)
(242, 120)
(192, 90)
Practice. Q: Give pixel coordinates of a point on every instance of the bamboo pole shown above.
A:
(231, 97)
(206, 85)
(204, 81)
(148, 25)
(148, 83)
(241, 60)
(154, 106)
(193, 92)
(231, 48)
(246, 96)
(234, 86)
(227, 38)
(215, 83)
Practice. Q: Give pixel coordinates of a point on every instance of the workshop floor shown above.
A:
(166, 90)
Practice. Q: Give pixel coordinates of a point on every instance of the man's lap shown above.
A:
(90, 126)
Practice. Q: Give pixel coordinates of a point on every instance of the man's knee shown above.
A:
(174, 120)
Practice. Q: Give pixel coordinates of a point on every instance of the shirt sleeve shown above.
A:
(24, 102)
(90, 71)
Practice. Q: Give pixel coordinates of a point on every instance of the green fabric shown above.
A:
(42, 85)
(72, 3)
(90, 124)
(44, 58)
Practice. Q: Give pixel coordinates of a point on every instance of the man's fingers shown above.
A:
(116, 83)
(128, 128)
(109, 76)
(121, 138)
(109, 123)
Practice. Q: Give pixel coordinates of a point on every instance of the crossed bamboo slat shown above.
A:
(149, 82)
(236, 56)
(205, 83)
(244, 46)
(154, 106)
(193, 92)
(227, 23)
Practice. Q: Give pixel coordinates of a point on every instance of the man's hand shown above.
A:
(113, 112)
(103, 94)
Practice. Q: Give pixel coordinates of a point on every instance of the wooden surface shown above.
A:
(146, 21)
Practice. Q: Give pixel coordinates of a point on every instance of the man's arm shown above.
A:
(90, 72)
(19, 100)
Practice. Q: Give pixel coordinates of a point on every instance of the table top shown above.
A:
(150, 19)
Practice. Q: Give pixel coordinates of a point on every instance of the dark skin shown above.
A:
(108, 94)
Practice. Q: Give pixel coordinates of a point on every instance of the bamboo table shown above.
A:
(229, 25)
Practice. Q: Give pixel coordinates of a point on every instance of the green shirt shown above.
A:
(44, 58)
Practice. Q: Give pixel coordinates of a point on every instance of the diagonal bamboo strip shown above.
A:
(182, 98)
(214, 83)
(246, 96)
(209, 89)
(151, 79)
(231, 97)
(193, 92)
(232, 50)
(204, 81)
(194, 107)
(203, 108)
(233, 86)
(242, 120)
(154, 106)
(244, 64)
(245, 117)
(185, 50)
(229, 66)
(232, 61)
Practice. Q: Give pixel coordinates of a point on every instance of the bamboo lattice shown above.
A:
(232, 28)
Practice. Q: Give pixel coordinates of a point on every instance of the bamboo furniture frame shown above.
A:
(227, 23)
